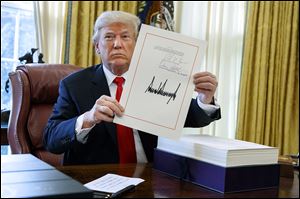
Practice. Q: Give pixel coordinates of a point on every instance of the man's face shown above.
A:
(116, 45)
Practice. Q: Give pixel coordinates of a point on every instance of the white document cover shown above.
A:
(159, 87)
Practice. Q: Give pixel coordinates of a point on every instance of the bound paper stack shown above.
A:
(224, 165)
(220, 151)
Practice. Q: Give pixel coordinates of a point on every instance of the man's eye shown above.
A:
(126, 36)
(108, 37)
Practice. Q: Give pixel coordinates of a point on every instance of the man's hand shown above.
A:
(205, 83)
(104, 110)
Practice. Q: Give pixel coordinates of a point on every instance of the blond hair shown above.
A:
(109, 17)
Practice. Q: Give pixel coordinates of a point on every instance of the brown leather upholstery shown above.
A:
(34, 92)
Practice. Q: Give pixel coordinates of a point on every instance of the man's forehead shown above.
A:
(117, 27)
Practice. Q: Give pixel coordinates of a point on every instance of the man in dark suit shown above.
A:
(81, 123)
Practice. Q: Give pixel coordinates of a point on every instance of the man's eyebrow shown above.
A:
(112, 32)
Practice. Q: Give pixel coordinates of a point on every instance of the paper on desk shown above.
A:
(112, 183)
(159, 85)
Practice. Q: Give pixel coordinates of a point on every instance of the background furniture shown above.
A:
(34, 92)
(26, 176)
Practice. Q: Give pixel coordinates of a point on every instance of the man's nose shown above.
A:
(117, 42)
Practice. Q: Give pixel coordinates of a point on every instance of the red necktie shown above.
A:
(125, 135)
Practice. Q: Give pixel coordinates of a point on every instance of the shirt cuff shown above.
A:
(81, 134)
(209, 109)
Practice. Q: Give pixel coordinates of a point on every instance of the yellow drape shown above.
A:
(78, 46)
(269, 92)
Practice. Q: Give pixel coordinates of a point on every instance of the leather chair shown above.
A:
(34, 92)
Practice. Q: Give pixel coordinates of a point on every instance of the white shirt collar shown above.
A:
(110, 76)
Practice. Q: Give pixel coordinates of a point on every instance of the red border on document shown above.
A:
(185, 88)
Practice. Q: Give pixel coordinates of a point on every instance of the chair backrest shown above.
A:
(34, 91)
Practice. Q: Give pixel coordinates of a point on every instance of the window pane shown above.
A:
(8, 23)
(27, 31)
(17, 38)
(5, 97)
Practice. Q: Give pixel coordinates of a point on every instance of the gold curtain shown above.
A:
(78, 46)
(269, 93)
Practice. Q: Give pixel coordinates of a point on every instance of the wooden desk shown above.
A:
(159, 185)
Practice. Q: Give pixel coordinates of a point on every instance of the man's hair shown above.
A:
(109, 17)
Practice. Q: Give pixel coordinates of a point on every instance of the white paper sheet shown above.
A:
(112, 183)
(159, 87)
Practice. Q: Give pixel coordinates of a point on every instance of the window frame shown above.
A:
(18, 9)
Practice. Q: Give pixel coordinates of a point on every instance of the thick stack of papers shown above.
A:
(220, 151)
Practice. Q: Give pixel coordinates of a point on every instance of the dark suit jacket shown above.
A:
(77, 94)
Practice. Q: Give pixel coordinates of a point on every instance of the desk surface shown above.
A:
(158, 184)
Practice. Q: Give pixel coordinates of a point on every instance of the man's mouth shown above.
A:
(118, 55)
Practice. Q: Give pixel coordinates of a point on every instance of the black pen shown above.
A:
(117, 194)
(98, 194)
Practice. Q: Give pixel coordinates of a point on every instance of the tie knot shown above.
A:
(119, 81)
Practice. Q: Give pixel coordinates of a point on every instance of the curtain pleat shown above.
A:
(221, 25)
(269, 92)
(78, 45)
(49, 22)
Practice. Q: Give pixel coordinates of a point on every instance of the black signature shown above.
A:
(160, 90)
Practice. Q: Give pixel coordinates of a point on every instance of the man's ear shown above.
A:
(97, 49)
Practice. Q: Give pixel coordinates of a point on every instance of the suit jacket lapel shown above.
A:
(100, 83)
(101, 88)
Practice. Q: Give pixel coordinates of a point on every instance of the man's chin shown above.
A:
(119, 62)
(118, 65)
(119, 68)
